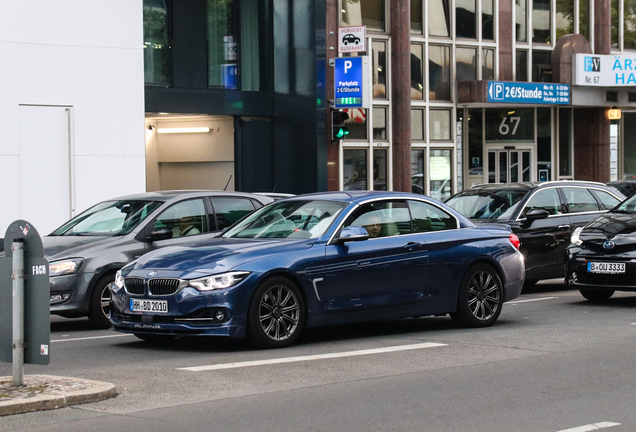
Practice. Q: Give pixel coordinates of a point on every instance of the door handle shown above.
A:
(562, 227)
(412, 246)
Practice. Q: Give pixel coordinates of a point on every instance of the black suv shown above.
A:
(543, 215)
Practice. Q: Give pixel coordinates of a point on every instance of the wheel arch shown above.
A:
(293, 279)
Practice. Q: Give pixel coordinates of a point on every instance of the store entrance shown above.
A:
(509, 164)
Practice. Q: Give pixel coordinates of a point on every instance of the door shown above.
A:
(388, 269)
(509, 164)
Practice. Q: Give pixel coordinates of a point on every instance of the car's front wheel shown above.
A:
(276, 314)
(480, 297)
(99, 306)
(597, 295)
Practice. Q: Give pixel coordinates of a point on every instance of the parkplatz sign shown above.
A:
(352, 76)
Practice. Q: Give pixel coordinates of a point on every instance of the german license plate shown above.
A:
(605, 267)
(154, 306)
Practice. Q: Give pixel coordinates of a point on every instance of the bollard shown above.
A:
(17, 248)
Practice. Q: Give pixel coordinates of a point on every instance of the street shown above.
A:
(552, 362)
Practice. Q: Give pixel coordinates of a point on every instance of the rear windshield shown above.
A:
(485, 205)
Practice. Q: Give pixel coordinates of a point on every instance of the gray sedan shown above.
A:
(86, 252)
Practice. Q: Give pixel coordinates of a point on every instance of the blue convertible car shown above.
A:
(322, 259)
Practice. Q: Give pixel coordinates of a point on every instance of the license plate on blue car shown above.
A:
(605, 267)
(154, 306)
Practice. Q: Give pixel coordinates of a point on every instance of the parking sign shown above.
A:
(352, 78)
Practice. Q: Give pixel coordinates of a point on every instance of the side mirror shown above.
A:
(160, 234)
(536, 214)
(352, 233)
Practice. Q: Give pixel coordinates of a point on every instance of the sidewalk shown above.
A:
(44, 392)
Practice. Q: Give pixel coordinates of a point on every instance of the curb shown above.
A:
(94, 391)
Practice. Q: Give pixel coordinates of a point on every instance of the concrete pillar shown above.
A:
(401, 93)
(506, 54)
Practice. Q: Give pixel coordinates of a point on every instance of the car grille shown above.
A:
(135, 286)
(163, 287)
(156, 287)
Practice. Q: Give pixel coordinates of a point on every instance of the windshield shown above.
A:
(627, 206)
(109, 218)
(485, 205)
(288, 219)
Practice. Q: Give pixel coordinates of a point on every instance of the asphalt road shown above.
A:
(553, 362)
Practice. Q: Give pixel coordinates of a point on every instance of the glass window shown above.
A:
(487, 64)
(565, 142)
(157, 49)
(584, 20)
(541, 21)
(521, 18)
(357, 123)
(382, 218)
(417, 124)
(546, 199)
(439, 18)
(379, 123)
(629, 145)
(579, 200)
(564, 17)
(254, 44)
(466, 61)
(222, 44)
(229, 210)
(466, 19)
(505, 124)
(364, 12)
(440, 173)
(614, 24)
(439, 125)
(487, 21)
(439, 72)
(475, 143)
(544, 144)
(416, 16)
(380, 169)
(355, 169)
(609, 201)
(541, 66)
(629, 26)
(184, 219)
(427, 217)
(379, 70)
(418, 161)
(522, 65)
(417, 72)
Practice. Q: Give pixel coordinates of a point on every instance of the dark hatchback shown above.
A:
(322, 259)
(86, 252)
(602, 256)
(542, 214)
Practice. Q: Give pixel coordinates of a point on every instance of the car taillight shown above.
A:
(515, 240)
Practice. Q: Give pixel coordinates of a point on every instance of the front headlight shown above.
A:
(119, 280)
(575, 239)
(224, 280)
(65, 267)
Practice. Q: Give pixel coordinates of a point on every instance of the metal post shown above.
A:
(18, 311)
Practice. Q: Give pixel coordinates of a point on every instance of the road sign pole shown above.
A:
(18, 311)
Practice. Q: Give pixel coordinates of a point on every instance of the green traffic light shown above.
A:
(342, 132)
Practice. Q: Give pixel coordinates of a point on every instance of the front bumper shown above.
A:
(69, 294)
(578, 277)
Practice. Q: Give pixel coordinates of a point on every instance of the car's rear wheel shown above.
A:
(99, 306)
(276, 314)
(597, 295)
(480, 297)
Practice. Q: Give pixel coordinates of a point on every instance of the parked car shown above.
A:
(601, 258)
(309, 261)
(543, 215)
(626, 187)
(86, 252)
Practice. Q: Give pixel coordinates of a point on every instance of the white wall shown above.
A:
(85, 55)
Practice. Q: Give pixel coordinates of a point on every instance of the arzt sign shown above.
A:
(352, 39)
(352, 76)
(604, 70)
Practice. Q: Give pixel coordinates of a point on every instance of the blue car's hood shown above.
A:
(59, 247)
(214, 256)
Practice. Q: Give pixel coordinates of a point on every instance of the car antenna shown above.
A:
(228, 182)
(274, 188)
